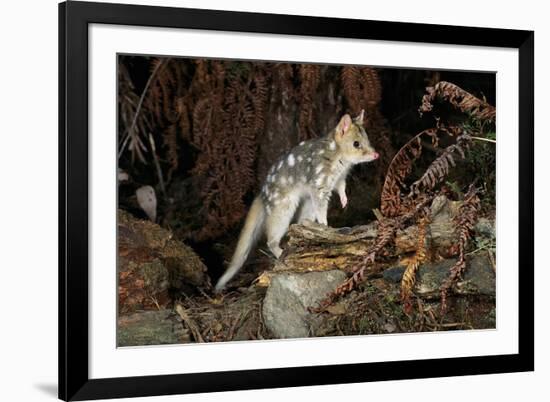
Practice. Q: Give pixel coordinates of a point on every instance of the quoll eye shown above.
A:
(356, 144)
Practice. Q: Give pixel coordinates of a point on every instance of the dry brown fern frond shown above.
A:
(384, 238)
(127, 97)
(362, 88)
(440, 167)
(350, 76)
(310, 75)
(169, 105)
(465, 221)
(392, 200)
(386, 233)
(372, 87)
(135, 123)
(259, 93)
(162, 109)
(217, 107)
(171, 144)
(225, 127)
(413, 263)
(203, 121)
(283, 72)
(392, 203)
(183, 109)
(461, 99)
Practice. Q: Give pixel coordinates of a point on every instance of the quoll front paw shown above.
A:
(343, 200)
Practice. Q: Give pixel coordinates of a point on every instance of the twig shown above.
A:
(483, 139)
(447, 325)
(190, 323)
(378, 214)
(269, 255)
(492, 258)
(206, 296)
(154, 300)
(157, 164)
(485, 247)
(238, 322)
(140, 103)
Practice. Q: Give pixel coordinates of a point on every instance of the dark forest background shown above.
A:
(203, 134)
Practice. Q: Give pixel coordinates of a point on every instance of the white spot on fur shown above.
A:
(268, 209)
(283, 180)
(309, 159)
(320, 179)
(332, 146)
(290, 180)
(318, 168)
(271, 178)
(299, 158)
(279, 165)
(321, 152)
(304, 179)
(275, 195)
(302, 143)
(290, 160)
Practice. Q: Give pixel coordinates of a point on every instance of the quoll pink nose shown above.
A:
(375, 155)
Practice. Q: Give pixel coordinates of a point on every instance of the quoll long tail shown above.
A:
(247, 239)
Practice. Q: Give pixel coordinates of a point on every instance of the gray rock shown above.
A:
(288, 298)
(485, 227)
(394, 274)
(479, 278)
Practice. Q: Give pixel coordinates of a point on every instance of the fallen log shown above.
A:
(312, 247)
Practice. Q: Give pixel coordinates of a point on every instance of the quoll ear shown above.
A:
(360, 118)
(343, 126)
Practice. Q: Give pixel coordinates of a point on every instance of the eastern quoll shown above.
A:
(300, 184)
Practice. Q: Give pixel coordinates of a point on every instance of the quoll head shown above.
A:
(352, 139)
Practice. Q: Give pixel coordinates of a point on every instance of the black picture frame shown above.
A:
(74, 381)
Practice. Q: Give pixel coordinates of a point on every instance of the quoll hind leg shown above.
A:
(277, 225)
(306, 211)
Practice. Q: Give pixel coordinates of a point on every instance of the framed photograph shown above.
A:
(257, 200)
